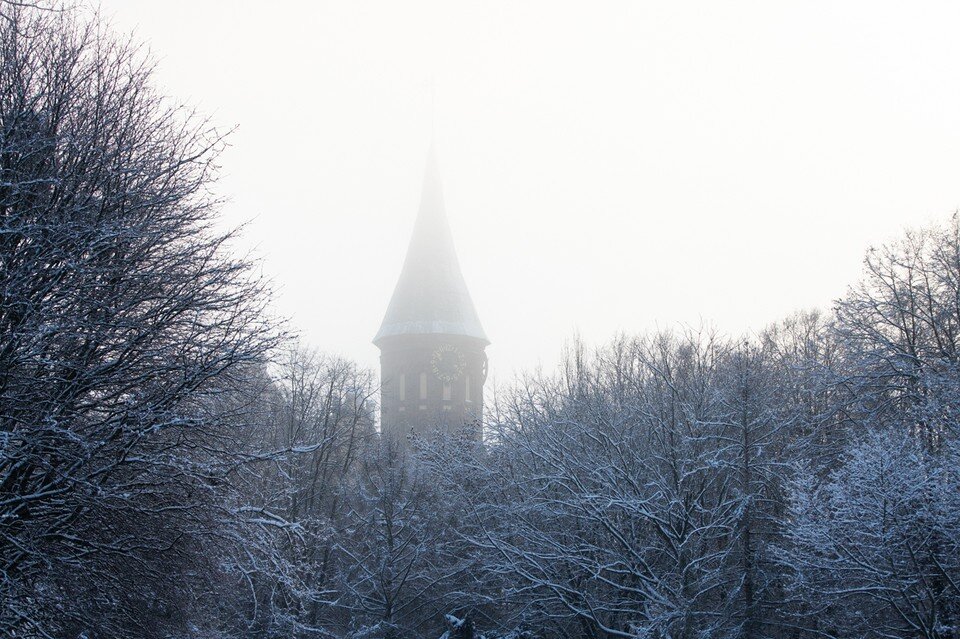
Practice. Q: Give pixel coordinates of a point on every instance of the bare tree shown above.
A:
(616, 514)
(875, 548)
(122, 315)
(873, 540)
(901, 327)
(302, 450)
(400, 565)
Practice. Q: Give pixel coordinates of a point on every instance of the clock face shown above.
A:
(448, 363)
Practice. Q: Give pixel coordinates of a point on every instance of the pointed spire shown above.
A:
(431, 296)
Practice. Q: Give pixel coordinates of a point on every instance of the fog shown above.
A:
(606, 166)
(173, 466)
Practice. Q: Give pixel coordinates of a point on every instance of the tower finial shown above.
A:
(433, 108)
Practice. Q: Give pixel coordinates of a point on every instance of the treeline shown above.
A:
(801, 482)
(172, 465)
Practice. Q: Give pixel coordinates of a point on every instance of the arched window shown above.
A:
(423, 385)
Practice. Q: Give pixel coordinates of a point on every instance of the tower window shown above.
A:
(403, 387)
(446, 391)
(467, 388)
(423, 385)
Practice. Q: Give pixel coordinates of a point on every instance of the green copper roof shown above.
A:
(431, 296)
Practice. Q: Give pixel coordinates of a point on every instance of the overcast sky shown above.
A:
(608, 166)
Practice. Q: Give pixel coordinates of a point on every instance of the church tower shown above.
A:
(432, 359)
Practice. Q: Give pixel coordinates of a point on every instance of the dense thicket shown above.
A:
(170, 468)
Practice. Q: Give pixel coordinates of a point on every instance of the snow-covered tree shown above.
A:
(901, 328)
(872, 540)
(875, 548)
(302, 449)
(123, 316)
(398, 561)
(615, 514)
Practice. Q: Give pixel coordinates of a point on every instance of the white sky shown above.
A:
(607, 165)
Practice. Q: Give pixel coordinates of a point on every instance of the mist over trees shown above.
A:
(173, 465)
